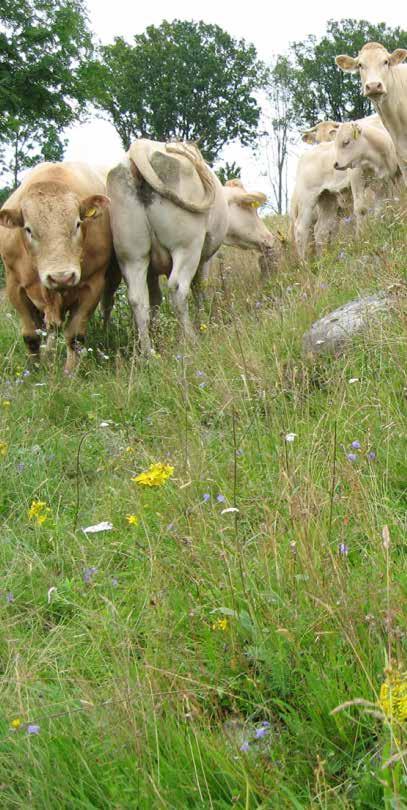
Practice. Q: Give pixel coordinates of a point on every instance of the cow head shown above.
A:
(54, 224)
(374, 65)
(348, 146)
(245, 228)
(323, 132)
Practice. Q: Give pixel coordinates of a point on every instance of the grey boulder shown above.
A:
(332, 333)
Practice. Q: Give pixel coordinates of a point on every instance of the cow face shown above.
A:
(245, 228)
(323, 132)
(374, 65)
(54, 224)
(348, 146)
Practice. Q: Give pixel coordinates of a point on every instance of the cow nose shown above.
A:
(61, 279)
(372, 88)
(336, 165)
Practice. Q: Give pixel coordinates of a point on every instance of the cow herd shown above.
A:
(71, 232)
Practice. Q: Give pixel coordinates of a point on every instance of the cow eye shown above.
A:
(360, 66)
(386, 62)
(28, 230)
(78, 224)
(346, 143)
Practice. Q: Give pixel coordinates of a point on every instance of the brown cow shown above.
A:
(56, 246)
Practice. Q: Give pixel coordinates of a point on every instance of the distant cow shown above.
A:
(56, 245)
(384, 81)
(169, 215)
(370, 154)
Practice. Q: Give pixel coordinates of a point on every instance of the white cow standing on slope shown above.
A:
(384, 81)
(169, 216)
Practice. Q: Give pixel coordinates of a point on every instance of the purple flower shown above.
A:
(88, 573)
(356, 445)
(170, 527)
(221, 498)
(202, 385)
(200, 374)
(26, 373)
(347, 220)
(343, 549)
(32, 728)
(20, 466)
(245, 746)
(206, 497)
(115, 582)
(240, 452)
(351, 456)
(258, 304)
(371, 455)
(261, 732)
(9, 598)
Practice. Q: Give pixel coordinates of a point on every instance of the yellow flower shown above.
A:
(393, 696)
(128, 450)
(3, 448)
(132, 520)
(203, 327)
(155, 476)
(39, 511)
(16, 723)
(220, 624)
(6, 403)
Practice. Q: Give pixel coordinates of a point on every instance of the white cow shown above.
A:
(169, 215)
(384, 81)
(368, 151)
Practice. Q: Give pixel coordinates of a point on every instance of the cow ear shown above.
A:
(398, 56)
(11, 218)
(333, 131)
(252, 200)
(309, 136)
(347, 63)
(92, 207)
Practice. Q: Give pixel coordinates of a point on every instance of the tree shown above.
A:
(182, 80)
(43, 45)
(229, 171)
(278, 118)
(319, 89)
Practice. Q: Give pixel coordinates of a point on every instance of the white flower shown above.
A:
(50, 592)
(229, 509)
(104, 424)
(353, 380)
(289, 437)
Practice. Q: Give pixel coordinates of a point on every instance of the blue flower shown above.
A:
(206, 497)
(343, 549)
(88, 573)
(356, 445)
(245, 746)
(200, 374)
(9, 598)
(33, 728)
(351, 456)
(221, 498)
(371, 455)
(262, 730)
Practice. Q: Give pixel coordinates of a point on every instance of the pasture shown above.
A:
(193, 655)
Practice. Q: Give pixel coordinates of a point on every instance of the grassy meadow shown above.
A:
(194, 654)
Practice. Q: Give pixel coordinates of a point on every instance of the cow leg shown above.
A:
(31, 318)
(154, 292)
(186, 263)
(327, 223)
(75, 330)
(303, 231)
(135, 276)
(112, 281)
(199, 284)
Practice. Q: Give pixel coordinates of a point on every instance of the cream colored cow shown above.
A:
(384, 81)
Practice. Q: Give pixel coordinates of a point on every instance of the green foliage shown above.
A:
(320, 90)
(164, 647)
(183, 80)
(229, 171)
(42, 46)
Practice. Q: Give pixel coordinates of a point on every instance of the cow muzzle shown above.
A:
(340, 168)
(374, 89)
(58, 281)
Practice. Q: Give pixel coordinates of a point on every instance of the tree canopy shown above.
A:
(43, 44)
(183, 80)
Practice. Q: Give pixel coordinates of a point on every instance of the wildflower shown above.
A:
(353, 380)
(115, 582)
(202, 385)
(104, 526)
(6, 403)
(356, 445)
(203, 327)
(88, 573)
(262, 730)
(128, 449)
(39, 512)
(15, 724)
(155, 476)
(179, 357)
(32, 728)
(343, 549)
(9, 598)
(393, 696)
(240, 452)
(371, 455)
(290, 437)
(3, 448)
(293, 547)
(170, 527)
(206, 497)
(351, 456)
(221, 498)
(245, 746)
(220, 624)
(132, 520)
(200, 374)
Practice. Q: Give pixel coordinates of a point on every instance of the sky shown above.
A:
(270, 30)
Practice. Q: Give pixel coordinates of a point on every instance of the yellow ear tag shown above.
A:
(255, 204)
(90, 213)
(355, 133)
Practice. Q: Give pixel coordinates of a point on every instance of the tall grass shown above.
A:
(196, 659)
